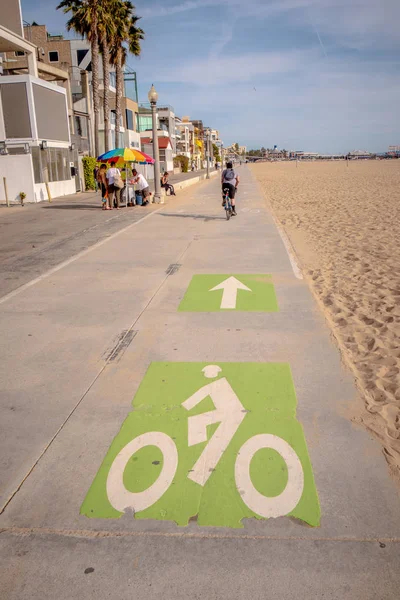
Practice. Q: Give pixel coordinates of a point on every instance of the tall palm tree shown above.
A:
(106, 28)
(127, 37)
(84, 20)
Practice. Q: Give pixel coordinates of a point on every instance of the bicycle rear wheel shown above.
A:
(228, 211)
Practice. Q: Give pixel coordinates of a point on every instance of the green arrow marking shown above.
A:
(172, 460)
(212, 293)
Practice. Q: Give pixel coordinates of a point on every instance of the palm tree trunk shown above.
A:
(106, 84)
(119, 87)
(95, 76)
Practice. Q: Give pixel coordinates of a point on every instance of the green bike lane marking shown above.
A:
(214, 293)
(220, 442)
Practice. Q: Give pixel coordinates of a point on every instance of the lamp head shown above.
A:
(152, 95)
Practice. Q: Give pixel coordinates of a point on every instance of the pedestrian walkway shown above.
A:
(37, 237)
(175, 424)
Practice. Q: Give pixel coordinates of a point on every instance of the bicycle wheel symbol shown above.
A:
(120, 498)
(264, 506)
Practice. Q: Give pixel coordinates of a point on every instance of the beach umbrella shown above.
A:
(126, 155)
(121, 156)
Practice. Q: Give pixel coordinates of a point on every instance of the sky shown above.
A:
(312, 75)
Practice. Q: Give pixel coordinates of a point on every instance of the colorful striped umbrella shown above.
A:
(126, 155)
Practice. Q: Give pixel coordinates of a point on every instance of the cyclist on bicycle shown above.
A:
(229, 181)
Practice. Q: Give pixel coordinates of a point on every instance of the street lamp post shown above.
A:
(208, 154)
(153, 97)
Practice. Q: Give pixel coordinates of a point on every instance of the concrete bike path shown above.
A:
(79, 344)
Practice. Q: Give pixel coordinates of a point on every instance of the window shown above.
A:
(113, 118)
(129, 119)
(80, 55)
(78, 125)
(37, 165)
(19, 53)
(113, 79)
(53, 56)
(61, 159)
(52, 164)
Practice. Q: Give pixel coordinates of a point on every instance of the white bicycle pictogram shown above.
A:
(230, 413)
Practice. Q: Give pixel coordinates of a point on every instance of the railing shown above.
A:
(159, 107)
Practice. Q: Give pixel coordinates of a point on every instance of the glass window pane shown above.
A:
(60, 159)
(44, 159)
(52, 164)
(37, 168)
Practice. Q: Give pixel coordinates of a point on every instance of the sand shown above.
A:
(344, 225)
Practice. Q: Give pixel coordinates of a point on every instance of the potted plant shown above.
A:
(22, 195)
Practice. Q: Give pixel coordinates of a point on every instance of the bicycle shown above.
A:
(227, 204)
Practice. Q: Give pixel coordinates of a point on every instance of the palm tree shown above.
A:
(84, 20)
(127, 36)
(105, 20)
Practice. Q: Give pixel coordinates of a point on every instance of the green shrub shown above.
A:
(89, 163)
(182, 162)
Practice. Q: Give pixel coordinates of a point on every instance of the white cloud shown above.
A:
(157, 11)
(236, 68)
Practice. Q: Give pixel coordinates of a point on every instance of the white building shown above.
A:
(35, 142)
(183, 138)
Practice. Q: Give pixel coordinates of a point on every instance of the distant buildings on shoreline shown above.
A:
(277, 155)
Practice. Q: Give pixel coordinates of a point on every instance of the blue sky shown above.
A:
(315, 75)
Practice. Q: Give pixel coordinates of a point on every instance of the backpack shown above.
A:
(229, 175)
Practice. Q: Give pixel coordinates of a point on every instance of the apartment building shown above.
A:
(74, 57)
(36, 155)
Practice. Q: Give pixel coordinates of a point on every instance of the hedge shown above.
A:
(182, 162)
(89, 164)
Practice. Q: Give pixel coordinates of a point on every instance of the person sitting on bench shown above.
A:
(167, 186)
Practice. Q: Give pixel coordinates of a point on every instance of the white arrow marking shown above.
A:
(230, 287)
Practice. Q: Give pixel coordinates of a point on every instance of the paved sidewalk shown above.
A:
(37, 237)
(79, 344)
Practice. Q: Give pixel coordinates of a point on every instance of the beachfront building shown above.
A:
(74, 57)
(165, 151)
(166, 122)
(36, 153)
(184, 132)
(275, 154)
(394, 151)
(359, 154)
(195, 131)
(302, 155)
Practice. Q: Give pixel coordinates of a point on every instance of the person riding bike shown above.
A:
(230, 181)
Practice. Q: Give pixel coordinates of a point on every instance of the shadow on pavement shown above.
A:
(198, 217)
(73, 207)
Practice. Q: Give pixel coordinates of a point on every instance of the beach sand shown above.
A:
(344, 225)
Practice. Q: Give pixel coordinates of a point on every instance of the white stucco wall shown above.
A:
(57, 189)
(132, 139)
(18, 171)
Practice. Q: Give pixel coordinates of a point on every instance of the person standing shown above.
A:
(114, 191)
(102, 181)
